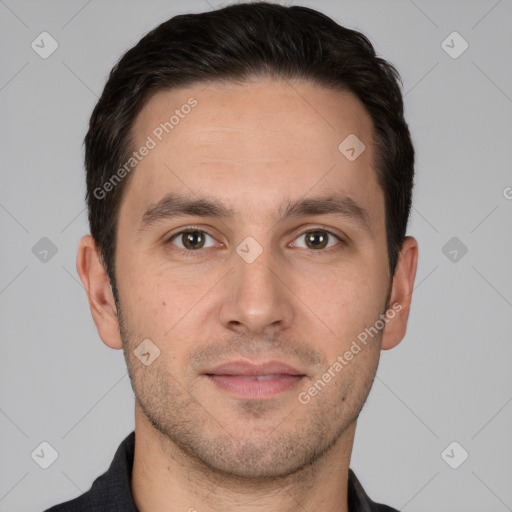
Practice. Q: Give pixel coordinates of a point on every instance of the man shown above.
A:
(249, 179)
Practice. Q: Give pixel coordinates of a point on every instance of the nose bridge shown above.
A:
(259, 300)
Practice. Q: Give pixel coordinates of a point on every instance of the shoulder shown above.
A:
(359, 501)
(96, 499)
(111, 491)
(83, 503)
(377, 507)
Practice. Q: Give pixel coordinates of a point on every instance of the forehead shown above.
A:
(253, 143)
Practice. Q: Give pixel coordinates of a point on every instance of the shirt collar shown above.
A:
(113, 488)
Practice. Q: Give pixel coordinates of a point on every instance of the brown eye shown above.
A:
(191, 240)
(317, 239)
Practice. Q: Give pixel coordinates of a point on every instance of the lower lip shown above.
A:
(253, 388)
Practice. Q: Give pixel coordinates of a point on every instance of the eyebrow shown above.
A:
(176, 205)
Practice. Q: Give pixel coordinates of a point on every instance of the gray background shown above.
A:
(449, 380)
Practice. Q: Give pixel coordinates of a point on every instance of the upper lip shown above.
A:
(248, 369)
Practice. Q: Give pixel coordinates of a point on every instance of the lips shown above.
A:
(248, 369)
(255, 380)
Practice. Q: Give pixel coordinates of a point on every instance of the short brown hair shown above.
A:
(235, 43)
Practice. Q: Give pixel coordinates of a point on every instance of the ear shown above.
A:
(401, 294)
(99, 292)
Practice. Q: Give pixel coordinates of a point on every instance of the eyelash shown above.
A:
(311, 252)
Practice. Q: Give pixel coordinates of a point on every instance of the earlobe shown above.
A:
(401, 294)
(99, 292)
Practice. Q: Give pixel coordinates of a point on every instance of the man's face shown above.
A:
(259, 286)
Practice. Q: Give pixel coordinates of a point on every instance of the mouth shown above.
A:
(248, 380)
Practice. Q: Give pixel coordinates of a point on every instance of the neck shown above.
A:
(164, 478)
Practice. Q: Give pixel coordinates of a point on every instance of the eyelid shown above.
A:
(340, 236)
(168, 238)
(318, 227)
(307, 229)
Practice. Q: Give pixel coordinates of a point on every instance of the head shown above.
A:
(243, 113)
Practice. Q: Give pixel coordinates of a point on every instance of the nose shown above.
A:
(258, 299)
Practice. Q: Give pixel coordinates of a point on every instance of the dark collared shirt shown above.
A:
(111, 492)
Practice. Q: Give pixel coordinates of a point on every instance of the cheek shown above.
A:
(351, 309)
(144, 295)
(165, 306)
(348, 297)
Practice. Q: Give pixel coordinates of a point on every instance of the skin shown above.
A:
(253, 146)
